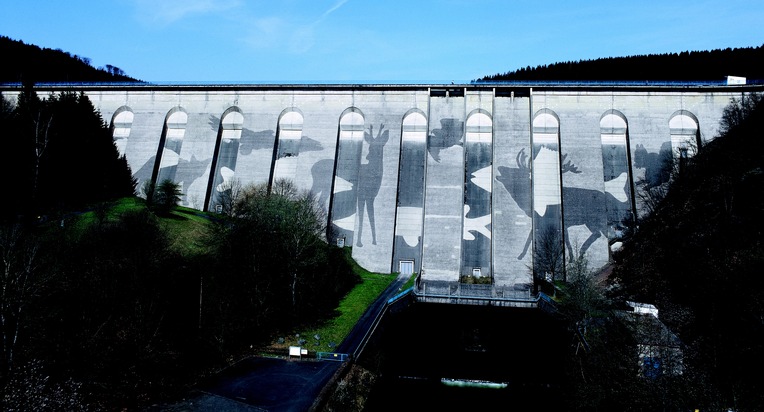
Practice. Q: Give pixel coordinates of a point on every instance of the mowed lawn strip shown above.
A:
(350, 310)
(187, 229)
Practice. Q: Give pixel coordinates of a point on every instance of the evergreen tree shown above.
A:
(166, 196)
(33, 64)
(59, 155)
(713, 65)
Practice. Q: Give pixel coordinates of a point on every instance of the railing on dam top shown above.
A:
(393, 84)
(609, 83)
(471, 294)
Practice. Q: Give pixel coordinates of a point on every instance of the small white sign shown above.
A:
(295, 351)
(735, 80)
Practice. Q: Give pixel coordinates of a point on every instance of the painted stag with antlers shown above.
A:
(580, 203)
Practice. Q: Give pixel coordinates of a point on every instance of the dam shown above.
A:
(449, 181)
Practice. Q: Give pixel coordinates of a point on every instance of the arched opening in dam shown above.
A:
(456, 183)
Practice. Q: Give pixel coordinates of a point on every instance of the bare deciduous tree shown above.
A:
(41, 121)
(284, 188)
(18, 257)
(738, 110)
(228, 195)
(583, 296)
(548, 256)
(296, 219)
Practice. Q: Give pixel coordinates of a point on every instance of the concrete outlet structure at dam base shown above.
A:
(448, 181)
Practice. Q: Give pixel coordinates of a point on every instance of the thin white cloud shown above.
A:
(288, 34)
(331, 10)
(303, 38)
(266, 32)
(166, 12)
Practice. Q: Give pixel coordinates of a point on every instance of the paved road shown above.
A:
(261, 384)
(277, 385)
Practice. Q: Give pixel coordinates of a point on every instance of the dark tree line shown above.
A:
(106, 313)
(688, 65)
(27, 63)
(698, 257)
(57, 155)
(274, 247)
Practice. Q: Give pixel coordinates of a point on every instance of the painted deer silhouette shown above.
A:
(656, 165)
(517, 181)
(449, 134)
(370, 179)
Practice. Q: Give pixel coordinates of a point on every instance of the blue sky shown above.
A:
(394, 41)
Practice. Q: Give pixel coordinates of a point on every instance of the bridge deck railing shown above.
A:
(475, 294)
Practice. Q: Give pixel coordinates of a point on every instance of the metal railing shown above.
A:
(615, 83)
(332, 356)
(462, 293)
(401, 83)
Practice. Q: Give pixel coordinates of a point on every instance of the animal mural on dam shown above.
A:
(357, 179)
(227, 150)
(322, 187)
(192, 169)
(370, 179)
(413, 179)
(235, 149)
(476, 219)
(517, 181)
(410, 193)
(449, 134)
(656, 166)
(444, 200)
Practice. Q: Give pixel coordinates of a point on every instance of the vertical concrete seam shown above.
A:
(532, 234)
(424, 183)
(492, 247)
(465, 180)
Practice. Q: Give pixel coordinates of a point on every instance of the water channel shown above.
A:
(468, 358)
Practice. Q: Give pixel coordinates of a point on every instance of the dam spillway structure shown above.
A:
(449, 181)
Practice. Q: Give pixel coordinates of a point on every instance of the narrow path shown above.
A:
(356, 337)
(259, 384)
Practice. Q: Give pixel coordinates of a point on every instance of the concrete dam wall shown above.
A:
(444, 180)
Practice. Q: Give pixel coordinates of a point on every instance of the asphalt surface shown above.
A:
(276, 384)
(261, 384)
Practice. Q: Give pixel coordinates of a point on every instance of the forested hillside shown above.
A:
(58, 156)
(684, 66)
(27, 63)
(699, 257)
(109, 301)
(30, 63)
